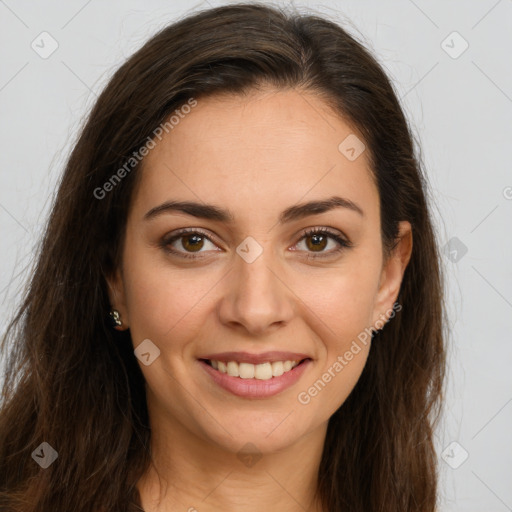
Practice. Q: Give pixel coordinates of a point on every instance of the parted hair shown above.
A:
(74, 382)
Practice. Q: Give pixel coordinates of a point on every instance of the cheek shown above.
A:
(342, 299)
(341, 304)
(161, 301)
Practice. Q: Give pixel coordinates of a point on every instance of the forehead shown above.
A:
(255, 151)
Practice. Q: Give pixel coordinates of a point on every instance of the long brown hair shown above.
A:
(74, 382)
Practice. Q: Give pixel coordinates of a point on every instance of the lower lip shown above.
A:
(256, 388)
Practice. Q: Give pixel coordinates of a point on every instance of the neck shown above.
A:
(192, 474)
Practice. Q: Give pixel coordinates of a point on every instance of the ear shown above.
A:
(117, 297)
(392, 273)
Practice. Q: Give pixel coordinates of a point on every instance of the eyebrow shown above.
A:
(212, 212)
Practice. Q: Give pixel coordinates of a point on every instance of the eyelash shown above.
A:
(344, 244)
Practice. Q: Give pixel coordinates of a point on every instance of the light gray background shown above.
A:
(461, 110)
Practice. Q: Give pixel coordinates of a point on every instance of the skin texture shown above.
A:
(255, 155)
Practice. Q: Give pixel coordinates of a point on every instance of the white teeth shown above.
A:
(277, 368)
(263, 371)
(246, 370)
(233, 369)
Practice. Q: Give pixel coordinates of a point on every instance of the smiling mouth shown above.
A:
(263, 371)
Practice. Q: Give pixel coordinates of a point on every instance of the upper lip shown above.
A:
(264, 357)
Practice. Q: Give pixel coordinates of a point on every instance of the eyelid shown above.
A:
(324, 229)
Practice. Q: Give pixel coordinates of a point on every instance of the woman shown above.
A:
(237, 303)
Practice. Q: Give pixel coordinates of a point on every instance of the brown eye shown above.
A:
(187, 243)
(193, 242)
(317, 240)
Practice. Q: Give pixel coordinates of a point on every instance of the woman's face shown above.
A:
(245, 285)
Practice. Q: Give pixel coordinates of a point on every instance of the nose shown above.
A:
(257, 300)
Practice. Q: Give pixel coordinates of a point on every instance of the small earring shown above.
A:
(115, 318)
